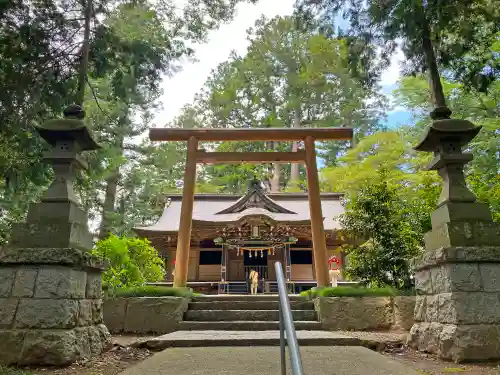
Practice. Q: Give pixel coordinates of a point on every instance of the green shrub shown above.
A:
(393, 226)
(131, 262)
(354, 292)
(151, 291)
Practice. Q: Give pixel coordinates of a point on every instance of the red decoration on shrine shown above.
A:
(173, 262)
(333, 260)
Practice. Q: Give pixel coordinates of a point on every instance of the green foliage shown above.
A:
(132, 262)
(480, 108)
(152, 291)
(460, 31)
(387, 234)
(289, 77)
(388, 157)
(351, 292)
(133, 45)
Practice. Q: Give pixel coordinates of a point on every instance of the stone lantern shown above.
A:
(65, 223)
(68, 138)
(50, 283)
(457, 278)
(446, 138)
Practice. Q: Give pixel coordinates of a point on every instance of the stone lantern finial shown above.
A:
(74, 111)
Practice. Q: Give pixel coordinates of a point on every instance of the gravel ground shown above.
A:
(112, 362)
(427, 364)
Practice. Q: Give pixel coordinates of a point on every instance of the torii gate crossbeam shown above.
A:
(194, 156)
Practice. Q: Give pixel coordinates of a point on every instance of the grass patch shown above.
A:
(13, 371)
(453, 370)
(342, 291)
(151, 291)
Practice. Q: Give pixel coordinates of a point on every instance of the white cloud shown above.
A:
(397, 108)
(181, 88)
(392, 74)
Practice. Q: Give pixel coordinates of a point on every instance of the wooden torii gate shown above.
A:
(194, 156)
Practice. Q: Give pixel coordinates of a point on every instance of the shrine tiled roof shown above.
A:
(225, 208)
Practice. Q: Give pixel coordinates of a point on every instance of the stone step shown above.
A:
(247, 315)
(245, 325)
(186, 339)
(249, 305)
(244, 297)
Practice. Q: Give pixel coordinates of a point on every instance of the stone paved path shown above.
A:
(375, 340)
(336, 360)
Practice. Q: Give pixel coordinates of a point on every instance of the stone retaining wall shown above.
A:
(404, 309)
(50, 314)
(144, 314)
(365, 313)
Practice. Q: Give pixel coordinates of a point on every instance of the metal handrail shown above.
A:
(286, 324)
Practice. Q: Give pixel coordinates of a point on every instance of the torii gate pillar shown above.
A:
(194, 156)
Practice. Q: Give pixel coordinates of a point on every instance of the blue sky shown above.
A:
(180, 89)
(397, 116)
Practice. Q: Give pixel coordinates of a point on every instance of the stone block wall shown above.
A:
(159, 315)
(403, 310)
(457, 313)
(365, 313)
(50, 314)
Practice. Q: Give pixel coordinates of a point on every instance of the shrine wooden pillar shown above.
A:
(318, 233)
(185, 222)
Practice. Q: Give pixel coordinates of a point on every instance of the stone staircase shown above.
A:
(246, 313)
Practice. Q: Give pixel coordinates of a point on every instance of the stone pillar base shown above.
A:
(50, 307)
(458, 343)
(457, 308)
(52, 347)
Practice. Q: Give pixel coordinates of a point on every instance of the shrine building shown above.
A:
(233, 234)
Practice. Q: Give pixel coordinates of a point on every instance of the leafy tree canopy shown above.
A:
(460, 31)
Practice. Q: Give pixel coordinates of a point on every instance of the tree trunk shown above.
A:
(437, 92)
(84, 62)
(108, 207)
(121, 211)
(294, 171)
(275, 181)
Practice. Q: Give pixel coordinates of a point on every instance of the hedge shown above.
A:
(354, 292)
(151, 291)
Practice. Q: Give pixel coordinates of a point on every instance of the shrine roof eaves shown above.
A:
(232, 197)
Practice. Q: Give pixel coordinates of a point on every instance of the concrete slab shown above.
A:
(336, 360)
(186, 339)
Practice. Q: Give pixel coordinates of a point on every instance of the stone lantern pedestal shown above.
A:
(457, 312)
(50, 284)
